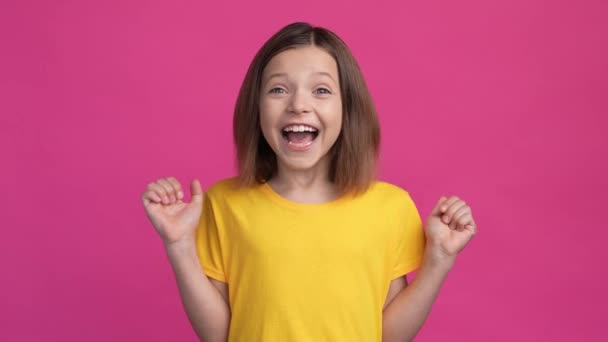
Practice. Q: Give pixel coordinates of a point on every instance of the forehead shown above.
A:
(302, 61)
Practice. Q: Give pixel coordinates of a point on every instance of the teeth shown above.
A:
(299, 128)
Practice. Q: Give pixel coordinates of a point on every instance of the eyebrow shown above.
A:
(281, 74)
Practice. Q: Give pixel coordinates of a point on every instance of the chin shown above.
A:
(301, 163)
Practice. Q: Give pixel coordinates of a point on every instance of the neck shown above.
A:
(305, 186)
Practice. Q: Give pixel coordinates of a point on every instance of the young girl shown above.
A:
(304, 244)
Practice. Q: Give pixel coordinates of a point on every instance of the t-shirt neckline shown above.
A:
(268, 190)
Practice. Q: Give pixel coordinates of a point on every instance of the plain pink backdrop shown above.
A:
(501, 103)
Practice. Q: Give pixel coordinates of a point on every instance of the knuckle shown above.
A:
(164, 184)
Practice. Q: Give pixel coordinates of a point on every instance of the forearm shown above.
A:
(207, 310)
(405, 315)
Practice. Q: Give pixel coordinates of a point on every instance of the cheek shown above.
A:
(337, 111)
(268, 123)
(265, 126)
(335, 119)
(269, 111)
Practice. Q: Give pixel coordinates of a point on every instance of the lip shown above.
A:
(299, 124)
(298, 147)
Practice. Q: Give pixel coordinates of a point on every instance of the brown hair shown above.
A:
(355, 152)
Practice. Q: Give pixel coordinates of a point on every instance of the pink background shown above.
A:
(501, 103)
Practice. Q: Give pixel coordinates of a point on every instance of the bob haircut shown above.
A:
(354, 155)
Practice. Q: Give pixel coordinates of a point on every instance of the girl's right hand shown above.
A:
(173, 219)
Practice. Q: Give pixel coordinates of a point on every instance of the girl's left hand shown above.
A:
(449, 228)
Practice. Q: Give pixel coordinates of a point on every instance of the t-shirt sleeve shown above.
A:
(208, 241)
(410, 240)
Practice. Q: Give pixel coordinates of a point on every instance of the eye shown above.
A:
(324, 91)
(277, 90)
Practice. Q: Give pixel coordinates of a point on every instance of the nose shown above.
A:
(299, 103)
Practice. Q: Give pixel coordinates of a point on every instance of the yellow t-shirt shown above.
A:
(308, 272)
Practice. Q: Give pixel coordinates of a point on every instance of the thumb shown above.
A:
(197, 191)
(436, 210)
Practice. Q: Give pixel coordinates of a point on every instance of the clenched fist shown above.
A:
(449, 228)
(173, 219)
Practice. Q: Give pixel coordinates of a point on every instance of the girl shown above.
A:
(304, 244)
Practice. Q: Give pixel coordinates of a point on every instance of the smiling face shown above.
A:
(301, 107)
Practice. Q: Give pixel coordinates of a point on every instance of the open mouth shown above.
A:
(299, 135)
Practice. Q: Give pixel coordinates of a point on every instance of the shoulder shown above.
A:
(389, 191)
(399, 202)
(229, 190)
(390, 197)
(222, 187)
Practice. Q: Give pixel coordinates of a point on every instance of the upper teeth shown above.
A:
(299, 128)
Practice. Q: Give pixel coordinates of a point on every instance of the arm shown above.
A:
(449, 229)
(205, 304)
(395, 287)
(404, 315)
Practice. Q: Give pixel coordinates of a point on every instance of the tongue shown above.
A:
(299, 137)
